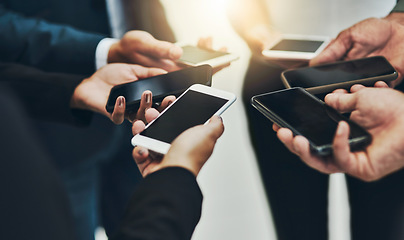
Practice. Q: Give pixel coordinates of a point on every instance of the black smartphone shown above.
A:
(310, 117)
(173, 83)
(328, 77)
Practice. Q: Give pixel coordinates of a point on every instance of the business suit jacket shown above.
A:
(62, 36)
(166, 205)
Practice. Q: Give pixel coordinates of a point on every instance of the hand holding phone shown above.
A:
(296, 47)
(194, 107)
(190, 150)
(308, 116)
(343, 74)
(195, 56)
(173, 83)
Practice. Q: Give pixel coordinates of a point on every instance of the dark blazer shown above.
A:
(62, 36)
(34, 205)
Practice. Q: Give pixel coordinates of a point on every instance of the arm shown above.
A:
(64, 97)
(251, 21)
(47, 46)
(168, 203)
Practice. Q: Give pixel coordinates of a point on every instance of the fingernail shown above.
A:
(221, 119)
(148, 97)
(141, 152)
(169, 102)
(120, 101)
(175, 52)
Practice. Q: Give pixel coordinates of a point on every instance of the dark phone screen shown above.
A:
(193, 108)
(339, 72)
(292, 45)
(308, 116)
(161, 85)
(196, 55)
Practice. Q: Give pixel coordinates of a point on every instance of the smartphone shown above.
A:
(328, 77)
(173, 83)
(194, 107)
(306, 115)
(296, 47)
(194, 56)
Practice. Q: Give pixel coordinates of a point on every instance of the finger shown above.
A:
(118, 115)
(145, 103)
(166, 102)
(145, 72)
(336, 49)
(286, 137)
(148, 61)
(341, 150)
(341, 102)
(381, 84)
(302, 148)
(159, 49)
(215, 127)
(275, 127)
(140, 154)
(151, 114)
(340, 91)
(138, 126)
(357, 87)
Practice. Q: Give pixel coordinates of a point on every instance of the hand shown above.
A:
(367, 38)
(207, 43)
(260, 37)
(189, 150)
(140, 47)
(92, 93)
(381, 112)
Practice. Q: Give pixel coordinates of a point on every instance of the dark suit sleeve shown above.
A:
(47, 46)
(399, 7)
(167, 205)
(45, 95)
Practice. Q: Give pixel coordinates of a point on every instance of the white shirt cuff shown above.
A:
(101, 53)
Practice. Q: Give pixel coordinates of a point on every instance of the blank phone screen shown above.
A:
(339, 72)
(308, 116)
(292, 45)
(193, 108)
(161, 85)
(196, 55)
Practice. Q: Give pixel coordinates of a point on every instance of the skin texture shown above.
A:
(381, 112)
(370, 37)
(142, 48)
(92, 93)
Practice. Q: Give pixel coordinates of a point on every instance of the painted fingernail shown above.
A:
(148, 97)
(120, 101)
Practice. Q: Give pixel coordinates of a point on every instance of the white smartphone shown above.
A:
(195, 56)
(296, 47)
(194, 107)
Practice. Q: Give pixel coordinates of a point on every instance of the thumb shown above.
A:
(145, 72)
(214, 128)
(342, 102)
(160, 49)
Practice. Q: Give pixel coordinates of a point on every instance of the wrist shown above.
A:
(115, 53)
(397, 17)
